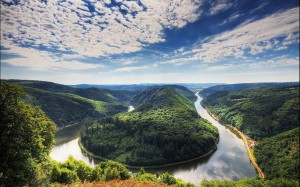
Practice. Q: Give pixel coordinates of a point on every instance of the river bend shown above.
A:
(229, 162)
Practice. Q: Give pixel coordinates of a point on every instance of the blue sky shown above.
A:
(150, 41)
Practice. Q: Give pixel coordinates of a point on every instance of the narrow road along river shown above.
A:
(229, 162)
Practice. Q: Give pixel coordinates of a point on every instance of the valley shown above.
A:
(169, 129)
(223, 164)
(149, 93)
(269, 115)
(164, 128)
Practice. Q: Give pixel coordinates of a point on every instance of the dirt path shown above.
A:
(261, 174)
(252, 159)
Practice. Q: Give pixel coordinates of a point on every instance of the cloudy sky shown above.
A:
(150, 41)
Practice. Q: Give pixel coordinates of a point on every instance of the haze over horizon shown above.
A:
(149, 41)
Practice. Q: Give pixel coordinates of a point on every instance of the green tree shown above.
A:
(56, 172)
(68, 176)
(97, 173)
(167, 179)
(84, 172)
(142, 175)
(26, 138)
(109, 170)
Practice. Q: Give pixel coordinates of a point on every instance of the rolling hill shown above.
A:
(232, 87)
(70, 106)
(164, 128)
(269, 115)
(259, 112)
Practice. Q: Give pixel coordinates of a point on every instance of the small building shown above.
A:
(252, 145)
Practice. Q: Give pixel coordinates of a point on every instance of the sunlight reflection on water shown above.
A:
(229, 162)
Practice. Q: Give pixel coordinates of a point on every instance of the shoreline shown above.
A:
(261, 175)
(240, 135)
(148, 167)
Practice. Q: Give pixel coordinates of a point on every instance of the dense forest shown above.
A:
(267, 114)
(27, 136)
(233, 87)
(259, 112)
(164, 128)
(278, 156)
(68, 106)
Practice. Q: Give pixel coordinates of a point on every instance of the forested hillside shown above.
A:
(268, 114)
(68, 106)
(260, 112)
(158, 95)
(27, 136)
(164, 128)
(278, 156)
(233, 87)
(93, 93)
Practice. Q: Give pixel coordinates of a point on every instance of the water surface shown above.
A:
(229, 162)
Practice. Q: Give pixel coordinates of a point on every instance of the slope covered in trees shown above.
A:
(69, 106)
(164, 128)
(260, 112)
(93, 93)
(233, 87)
(278, 156)
(26, 138)
(270, 115)
(77, 172)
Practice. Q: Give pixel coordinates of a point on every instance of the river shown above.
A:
(229, 162)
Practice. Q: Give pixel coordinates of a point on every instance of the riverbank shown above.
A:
(229, 148)
(246, 141)
(149, 167)
(261, 175)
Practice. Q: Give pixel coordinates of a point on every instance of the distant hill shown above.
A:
(105, 95)
(140, 87)
(129, 87)
(164, 128)
(231, 87)
(68, 106)
(156, 95)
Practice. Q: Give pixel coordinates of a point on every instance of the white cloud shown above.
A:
(41, 60)
(125, 61)
(253, 38)
(279, 62)
(131, 68)
(133, 6)
(230, 19)
(69, 26)
(220, 6)
(274, 32)
(221, 67)
(291, 39)
(107, 2)
(178, 61)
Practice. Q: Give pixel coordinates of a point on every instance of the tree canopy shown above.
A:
(26, 138)
(269, 115)
(259, 112)
(164, 128)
